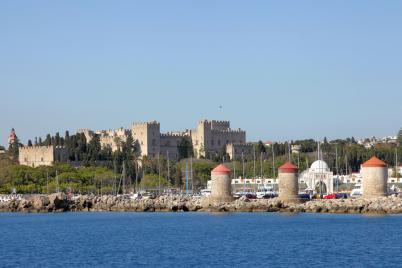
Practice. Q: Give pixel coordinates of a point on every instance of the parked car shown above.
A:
(304, 196)
(251, 196)
(330, 196)
(342, 196)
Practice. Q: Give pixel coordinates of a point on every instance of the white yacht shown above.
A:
(357, 191)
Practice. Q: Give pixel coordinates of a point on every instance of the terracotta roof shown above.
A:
(374, 162)
(288, 168)
(221, 169)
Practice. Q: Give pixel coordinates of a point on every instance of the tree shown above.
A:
(400, 137)
(260, 148)
(129, 157)
(30, 143)
(57, 139)
(13, 150)
(185, 148)
(151, 181)
(48, 140)
(94, 149)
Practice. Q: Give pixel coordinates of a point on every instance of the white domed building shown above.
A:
(318, 174)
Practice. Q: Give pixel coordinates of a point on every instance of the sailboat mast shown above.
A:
(261, 171)
(168, 165)
(136, 176)
(124, 178)
(273, 161)
(159, 175)
(186, 176)
(242, 159)
(191, 174)
(396, 162)
(57, 182)
(337, 168)
(234, 162)
(47, 182)
(254, 162)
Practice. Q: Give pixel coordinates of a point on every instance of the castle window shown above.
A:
(212, 142)
(219, 142)
(41, 159)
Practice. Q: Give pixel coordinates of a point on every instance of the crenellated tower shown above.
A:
(148, 135)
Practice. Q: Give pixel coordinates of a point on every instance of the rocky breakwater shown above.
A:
(61, 203)
(81, 203)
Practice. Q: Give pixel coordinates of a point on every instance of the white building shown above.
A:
(318, 173)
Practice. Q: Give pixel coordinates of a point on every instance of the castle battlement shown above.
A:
(149, 123)
(241, 144)
(84, 130)
(219, 122)
(228, 131)
(170, 134)
(36, 147)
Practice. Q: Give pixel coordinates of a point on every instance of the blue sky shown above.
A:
(281, 69)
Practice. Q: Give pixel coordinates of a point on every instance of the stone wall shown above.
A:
(35, 156)
(236, 150)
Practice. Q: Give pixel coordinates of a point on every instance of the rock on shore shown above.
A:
(60, 203)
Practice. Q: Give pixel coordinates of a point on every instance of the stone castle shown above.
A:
(210, 137)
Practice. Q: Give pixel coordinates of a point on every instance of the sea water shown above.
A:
(199, 240)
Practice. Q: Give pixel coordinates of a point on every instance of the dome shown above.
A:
(319, 166)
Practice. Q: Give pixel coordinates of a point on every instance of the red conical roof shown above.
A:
(288, 168)
(374, 162)
(221, 169)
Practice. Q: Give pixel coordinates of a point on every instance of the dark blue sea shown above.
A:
(199, 240)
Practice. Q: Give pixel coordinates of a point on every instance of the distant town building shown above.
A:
(296, 148)
(268, 143)
(373, 141)
(35, 156)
